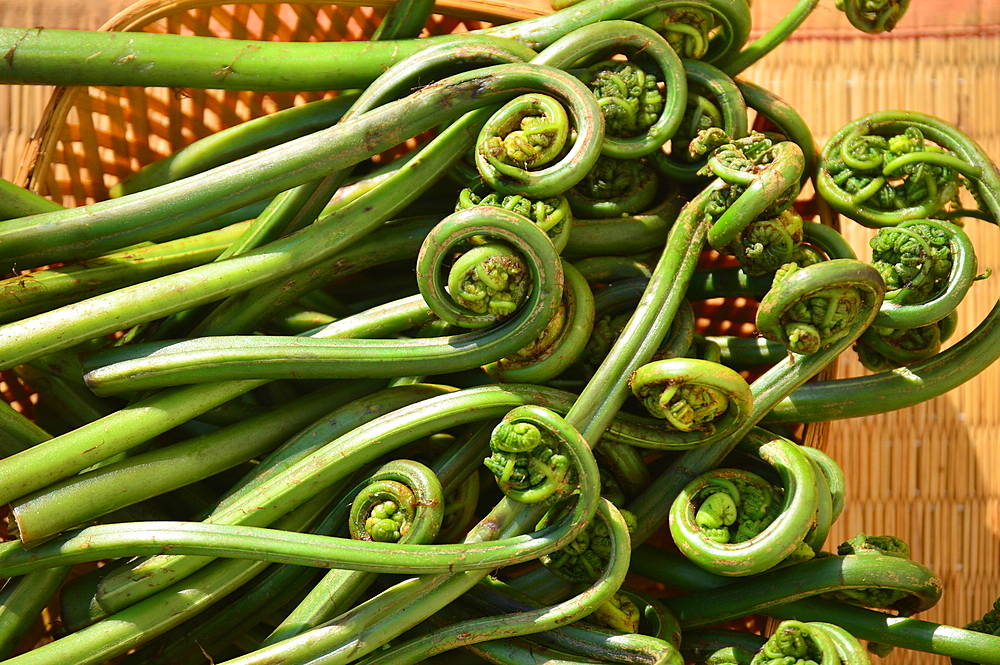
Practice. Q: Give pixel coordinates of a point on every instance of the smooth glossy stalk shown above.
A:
(85, 497)
(145, 620)
(22, 601)
(37, 292)
(202, 360)
(66, 455)
(145, 59)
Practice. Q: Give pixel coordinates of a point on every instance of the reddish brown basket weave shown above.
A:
(90, 138)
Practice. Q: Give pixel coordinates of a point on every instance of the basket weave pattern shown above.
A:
(96, 137)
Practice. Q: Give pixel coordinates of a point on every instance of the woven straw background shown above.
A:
(930, 474)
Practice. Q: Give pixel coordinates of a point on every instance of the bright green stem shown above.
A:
(60, 57)
(320, 468)
(806, 579)
(339, 589)
(587, 639)
(404, 20)
(381, 619)
(66, 455)
(608, 388)
(37, 292)
(834, 245)
(374, 622)
(225, 623)
(767, 42)
(747, 352)
(145, 620)
(17, 433)
(238, 141)
(530, 621)
(393, 241)
(227, 358)
(20, 202)
(63, 234)
(624, 235)
(22, 601)
(295, 209)
(86, 497)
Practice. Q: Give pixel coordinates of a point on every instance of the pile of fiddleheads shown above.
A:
(469, 382)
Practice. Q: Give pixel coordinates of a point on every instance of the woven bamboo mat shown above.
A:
(929, 474)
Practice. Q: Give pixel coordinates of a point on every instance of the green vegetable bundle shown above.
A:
(407, 406)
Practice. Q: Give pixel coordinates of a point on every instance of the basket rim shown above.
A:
(38, 152)
(142, 13)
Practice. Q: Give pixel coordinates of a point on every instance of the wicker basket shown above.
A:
(90, 138)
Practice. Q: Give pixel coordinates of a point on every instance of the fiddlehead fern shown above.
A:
(866, 545)
(807, 309)
(692, 394)
(618, 613)
(530, 133)
(476, 223)
(731, 522)
(629, 97)
(767, 244)
(552, 215)
(797, 643)
(489, 279)
(584, 559)
(562, 342)
(518, 147)
(529, 458)
(989, 625)
(613, 188)
(883, 349)
(641, 118)
(402, 502)
(881, 176)
(714, 105)
(761, 179)
(913, 259)
(873, 16)
(686, 29)
(928, 267)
